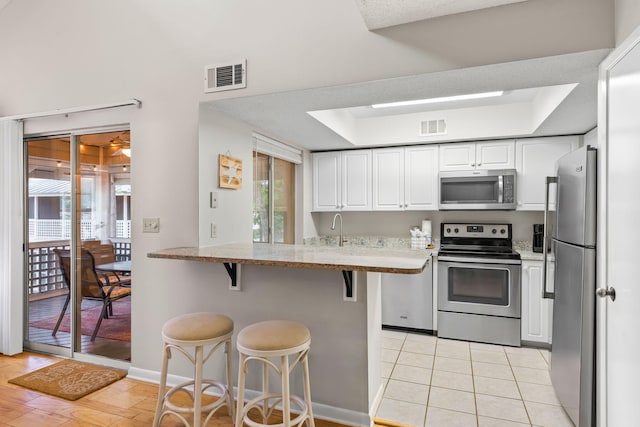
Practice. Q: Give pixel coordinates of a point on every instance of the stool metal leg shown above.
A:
(197, 388)
(166, 354)
(240, 400)
(229, 396)
(307, 389)
(265, 391)
(286, 401)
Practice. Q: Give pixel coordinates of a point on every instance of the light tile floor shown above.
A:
(436, 382)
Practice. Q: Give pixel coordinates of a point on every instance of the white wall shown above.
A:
(221, 135)
(627, 18)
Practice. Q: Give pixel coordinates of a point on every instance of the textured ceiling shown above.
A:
(386, 13)
(284, 115)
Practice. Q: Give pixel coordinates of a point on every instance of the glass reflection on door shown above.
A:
(79, 195)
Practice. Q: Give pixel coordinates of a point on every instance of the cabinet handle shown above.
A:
(406, 205)
(479, 164)
(473, 164)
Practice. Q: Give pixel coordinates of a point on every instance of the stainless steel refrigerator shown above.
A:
(574, 248)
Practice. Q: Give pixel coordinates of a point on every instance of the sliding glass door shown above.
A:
(78, 226)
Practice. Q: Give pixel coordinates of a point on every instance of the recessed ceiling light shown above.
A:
(441, 99)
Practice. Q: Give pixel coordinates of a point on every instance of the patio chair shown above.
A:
(92, 287)
(104, 253)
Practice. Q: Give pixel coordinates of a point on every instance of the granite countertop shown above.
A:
(523, 247)
(352, 258)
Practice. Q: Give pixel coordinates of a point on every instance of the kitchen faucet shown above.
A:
(333, 227)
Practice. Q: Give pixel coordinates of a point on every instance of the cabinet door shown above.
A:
(356, 180)
(388, 179)
(495, 155)
(536, 159)
(536, 311)
(457, 157)
(421, 178)
(326, 181)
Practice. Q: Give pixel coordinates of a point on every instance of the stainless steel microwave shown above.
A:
(478, 190)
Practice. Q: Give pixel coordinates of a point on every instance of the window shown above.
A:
(274, 191)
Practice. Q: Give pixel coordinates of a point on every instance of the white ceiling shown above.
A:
(284, 116)
(386, 13)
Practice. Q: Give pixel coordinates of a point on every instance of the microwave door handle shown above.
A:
(548, 295)
(500, 189)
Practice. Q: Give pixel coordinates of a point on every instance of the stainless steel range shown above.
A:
(478, 284)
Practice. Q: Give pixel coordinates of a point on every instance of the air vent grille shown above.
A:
(433, 127)
(225, 76)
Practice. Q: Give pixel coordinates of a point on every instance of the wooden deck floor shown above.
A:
(50, 307)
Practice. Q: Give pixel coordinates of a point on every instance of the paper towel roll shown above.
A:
(426, 227)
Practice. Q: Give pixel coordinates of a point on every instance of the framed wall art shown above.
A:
(230, 172)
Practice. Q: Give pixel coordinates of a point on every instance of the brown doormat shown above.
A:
(69, 379)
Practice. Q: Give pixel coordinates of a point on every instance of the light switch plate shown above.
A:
(151, 225)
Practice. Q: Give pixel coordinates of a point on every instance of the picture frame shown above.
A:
(229, 172)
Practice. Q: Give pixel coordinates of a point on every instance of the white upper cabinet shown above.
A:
(356, 180)
(388, 179)
(455, 157)
(405, 178)
(327, 168)
(342, 181)
(535, 160)
(478, 155)
(496, 155)
(421, 178)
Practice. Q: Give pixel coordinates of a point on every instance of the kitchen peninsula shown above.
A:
(311, 284)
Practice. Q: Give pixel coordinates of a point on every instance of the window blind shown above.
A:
(271, 147)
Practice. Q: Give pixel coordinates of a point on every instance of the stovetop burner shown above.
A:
(477, 240)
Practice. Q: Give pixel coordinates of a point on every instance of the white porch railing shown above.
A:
(59, 229)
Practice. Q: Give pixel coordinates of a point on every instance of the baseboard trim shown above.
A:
(320, 410)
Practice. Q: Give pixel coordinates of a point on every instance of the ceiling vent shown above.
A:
(433, 127)
(225, 77)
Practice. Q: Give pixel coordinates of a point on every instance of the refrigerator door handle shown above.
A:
(545, 242)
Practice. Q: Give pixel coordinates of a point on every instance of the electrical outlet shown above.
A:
(151, 225)
(214, 230)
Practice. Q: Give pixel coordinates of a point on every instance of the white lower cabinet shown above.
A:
(537, 313)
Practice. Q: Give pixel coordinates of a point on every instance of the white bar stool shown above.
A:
(197, 330)
(271, 339)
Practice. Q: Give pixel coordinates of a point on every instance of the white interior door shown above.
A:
(622, 235)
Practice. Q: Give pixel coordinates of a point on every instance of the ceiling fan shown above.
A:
(119, 140)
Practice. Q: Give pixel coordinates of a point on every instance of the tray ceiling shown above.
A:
(386, 13)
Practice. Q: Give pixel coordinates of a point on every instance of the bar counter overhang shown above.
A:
(335, 291)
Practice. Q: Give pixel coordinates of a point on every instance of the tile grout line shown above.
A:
(473, 383)
(433, 368)
(526, 411)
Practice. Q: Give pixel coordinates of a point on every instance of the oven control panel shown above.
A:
(493, 231)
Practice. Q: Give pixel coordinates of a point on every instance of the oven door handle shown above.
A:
(545, 241)
(471, 260)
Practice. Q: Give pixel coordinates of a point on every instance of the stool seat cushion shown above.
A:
(197, 326)
(273, 335)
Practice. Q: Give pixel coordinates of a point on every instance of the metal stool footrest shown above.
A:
(183, 387)
(255, 403)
